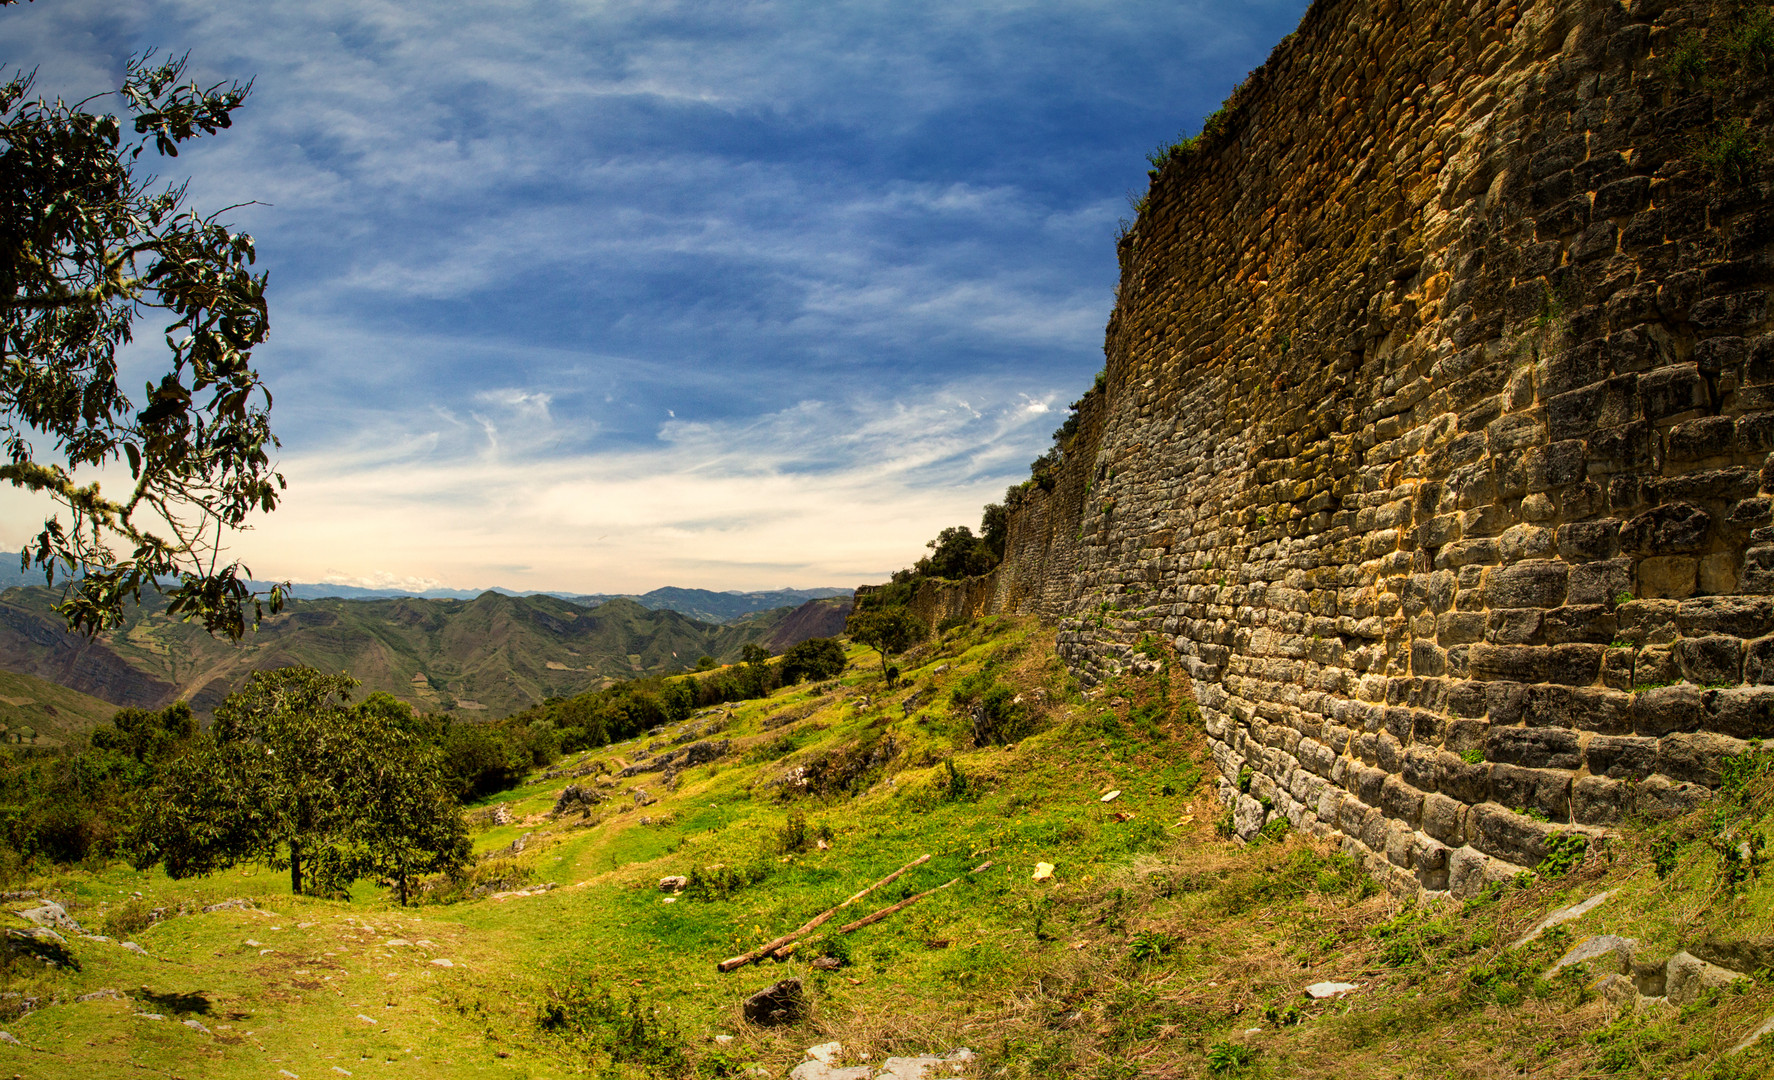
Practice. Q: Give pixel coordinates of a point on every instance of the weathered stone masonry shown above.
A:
(1440, 395)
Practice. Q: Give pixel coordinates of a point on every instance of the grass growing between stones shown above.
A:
(1156, 949)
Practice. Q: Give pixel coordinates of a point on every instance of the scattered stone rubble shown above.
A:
(821, 1064)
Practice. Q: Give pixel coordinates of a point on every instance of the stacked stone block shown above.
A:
(1436, 436)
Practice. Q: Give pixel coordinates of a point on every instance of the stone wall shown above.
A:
(1440, 394)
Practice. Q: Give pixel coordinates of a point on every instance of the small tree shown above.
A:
(292, 776)
(815, 658)
(885, 630)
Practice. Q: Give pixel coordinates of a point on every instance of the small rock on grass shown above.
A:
(826, 1053)
(1748, 1040)
(819, 1070)
(197, 1026)
(106, 994)
(1321, 990)
(1563, 915)
(1616, 950)
(6, 1037)
(925, 1067)
(149, 1016)
(53, 915)
(783, 1003)
(1689, 976)
(131, 946)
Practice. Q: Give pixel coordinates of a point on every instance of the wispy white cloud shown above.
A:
(615, 294)
(816, 492)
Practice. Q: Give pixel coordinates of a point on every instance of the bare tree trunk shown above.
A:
(296, 867)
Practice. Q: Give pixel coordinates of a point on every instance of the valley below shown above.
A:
(479, 659)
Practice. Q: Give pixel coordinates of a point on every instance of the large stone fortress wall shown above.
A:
(1439, 398)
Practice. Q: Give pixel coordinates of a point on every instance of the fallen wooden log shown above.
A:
(886, 911)
(818, 921)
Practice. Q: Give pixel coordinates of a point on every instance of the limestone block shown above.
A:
(1603, 954)
(1659, 797)
(1718, 573)
(1599, 582)
(1539, 748)
(1502, 833)
(1401, 802)
(1621, 757)
(1468, 782)
(1666, 709)
(1668, 576)
(1710, 660)
(1444, 819)
(1688, 977)
(1248, 817)
(1601, 710)
(1401, 843)
(1540, 583)
(1545, 790)
(1588, 541)
(1743, 712)
(1696, 758)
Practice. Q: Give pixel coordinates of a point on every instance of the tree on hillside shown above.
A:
(813, 659)
(956, 553)
(294, 777)
(885, 630)
(994, 530)
(145, 736)
(88, 243)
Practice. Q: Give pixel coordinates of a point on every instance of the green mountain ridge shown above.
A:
(480, 658)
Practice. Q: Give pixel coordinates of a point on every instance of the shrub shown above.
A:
(628, 1031)
(1564, 853)
(1686, 63)
(1733, 154)
(1752, 45)
(1149, 945)
(1229, 1057)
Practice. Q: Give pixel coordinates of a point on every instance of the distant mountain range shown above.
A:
(702, 604)
(484, 657)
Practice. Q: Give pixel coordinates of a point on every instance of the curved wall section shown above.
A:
(1440, 395)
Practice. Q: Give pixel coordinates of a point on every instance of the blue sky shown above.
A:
(608, 296)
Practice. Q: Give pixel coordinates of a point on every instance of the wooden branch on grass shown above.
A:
(818, 921)
(886, 911)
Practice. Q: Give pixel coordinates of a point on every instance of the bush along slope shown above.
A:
(1080, 912)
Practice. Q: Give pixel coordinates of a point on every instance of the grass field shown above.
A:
(1156, 948)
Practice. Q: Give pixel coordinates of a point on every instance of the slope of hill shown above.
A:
(38, 712)
(1071, 905)
(484, 657)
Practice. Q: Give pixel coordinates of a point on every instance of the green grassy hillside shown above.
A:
(37, 712)
(1155, 947)
(485, 657)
